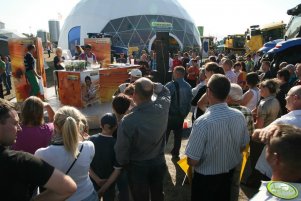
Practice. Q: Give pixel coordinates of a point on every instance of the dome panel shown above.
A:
(143, 23)
(167, 19)
(135, 40)
(134, 20)
(109, 28)
(152, 18)
(126, 36)
(125, 25)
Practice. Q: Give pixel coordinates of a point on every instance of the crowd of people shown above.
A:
(238, 105)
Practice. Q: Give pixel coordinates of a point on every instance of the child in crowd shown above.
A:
(104, 169)
(121, 105)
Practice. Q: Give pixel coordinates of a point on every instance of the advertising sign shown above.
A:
(101, 47)
(17, 51)
(90, 87)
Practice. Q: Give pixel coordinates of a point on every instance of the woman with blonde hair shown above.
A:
(35, 132)
(69, 154)
(58, 59)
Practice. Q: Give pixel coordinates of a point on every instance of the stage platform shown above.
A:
(93, 113)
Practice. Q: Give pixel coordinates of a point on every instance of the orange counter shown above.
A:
(75, 91)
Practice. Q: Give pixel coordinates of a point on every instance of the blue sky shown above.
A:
(219, 17)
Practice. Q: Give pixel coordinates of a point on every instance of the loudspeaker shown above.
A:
(161, 48)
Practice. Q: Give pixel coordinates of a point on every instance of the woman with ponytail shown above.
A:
(70, 154)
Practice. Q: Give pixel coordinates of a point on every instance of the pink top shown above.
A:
(32, 138)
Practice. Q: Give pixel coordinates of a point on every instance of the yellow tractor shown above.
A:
(257, 36)
(235, 44)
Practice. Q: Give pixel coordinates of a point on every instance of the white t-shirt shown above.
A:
(264, 195)
(232, 77)
(254, 100)
(196, 89)
(58, 157)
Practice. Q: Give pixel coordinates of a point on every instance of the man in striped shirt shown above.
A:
(215, 144)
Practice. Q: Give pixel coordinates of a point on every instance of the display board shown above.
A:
(70, 88)
(84, 88)
(17, 50)
(110, 79)
(101, 47)
(90, 87)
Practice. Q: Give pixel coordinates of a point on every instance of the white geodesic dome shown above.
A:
(128, 21)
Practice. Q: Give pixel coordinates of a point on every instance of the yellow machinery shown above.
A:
(235, 44)
(257, 36)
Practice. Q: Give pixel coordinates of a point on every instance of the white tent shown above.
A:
(92, 16)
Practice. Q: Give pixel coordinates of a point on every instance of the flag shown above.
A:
(245, 155)
(183, 163)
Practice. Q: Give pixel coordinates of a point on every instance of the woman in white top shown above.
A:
(252, 97)
(67, 149)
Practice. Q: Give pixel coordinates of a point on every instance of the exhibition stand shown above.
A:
(87, 87)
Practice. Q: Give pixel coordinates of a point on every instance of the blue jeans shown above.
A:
(146, 179)
(8, 80)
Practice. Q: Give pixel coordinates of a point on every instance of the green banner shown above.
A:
(201, 30)
(162, 25)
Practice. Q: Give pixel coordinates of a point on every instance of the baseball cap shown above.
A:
(108, 118)
(235, 92)
(136, 73)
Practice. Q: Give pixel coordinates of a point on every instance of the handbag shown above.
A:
(40, 82)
